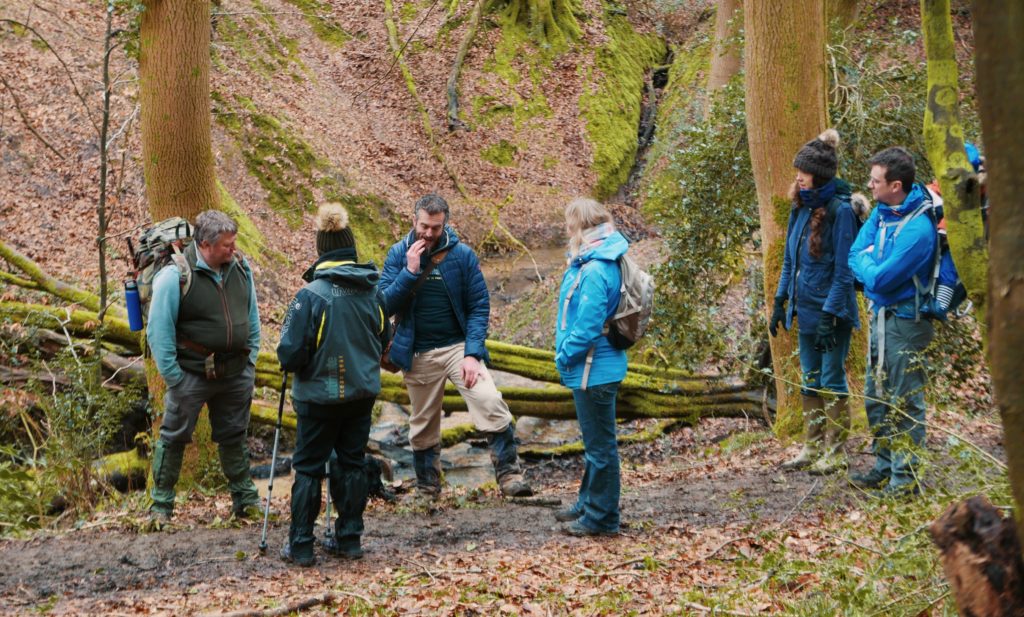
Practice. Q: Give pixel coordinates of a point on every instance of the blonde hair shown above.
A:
(581, 214)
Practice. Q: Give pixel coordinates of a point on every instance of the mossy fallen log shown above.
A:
(78, 322)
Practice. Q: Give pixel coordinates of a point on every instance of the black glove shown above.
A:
(778, 317)
(825, 341)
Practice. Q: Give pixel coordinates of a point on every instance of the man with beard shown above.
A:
(433, 287)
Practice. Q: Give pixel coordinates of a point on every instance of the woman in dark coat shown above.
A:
(816, 286)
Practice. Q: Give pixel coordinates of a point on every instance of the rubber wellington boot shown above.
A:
(305, 507)
(167, 458)
(837, 429)
(427, 464)
(814, 428)
(245, 499)
(507, 471)
(349, 491)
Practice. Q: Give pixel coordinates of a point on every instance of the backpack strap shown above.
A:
(184, 271)
(921, 290)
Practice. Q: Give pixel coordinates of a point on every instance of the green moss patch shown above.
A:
(258, 41)
(612, 109)
(317, 14)
(502, 153)
(296, 179)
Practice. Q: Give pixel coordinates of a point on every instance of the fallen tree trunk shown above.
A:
(78, 322)
(646, 392)
(39, 280)
(981, 555)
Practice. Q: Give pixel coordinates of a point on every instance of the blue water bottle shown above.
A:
(131, 299)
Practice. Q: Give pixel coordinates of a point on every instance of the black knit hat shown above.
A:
(332, 230)
(818, 156)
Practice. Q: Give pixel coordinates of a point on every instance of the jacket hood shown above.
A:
(448, 239)
(613, 247)
(918, 194)
(343, 269)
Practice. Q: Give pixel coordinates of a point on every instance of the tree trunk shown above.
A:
(174, 92)
(786, 106)
(725, 54)
(174, 86)
(843, 12)
(1000, 73)
(944, 141)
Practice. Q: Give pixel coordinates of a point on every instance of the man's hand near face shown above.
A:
(412, 256)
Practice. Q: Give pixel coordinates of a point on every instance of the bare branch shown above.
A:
(71, 78)
(24, 118)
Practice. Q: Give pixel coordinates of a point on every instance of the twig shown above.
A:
(398, 55)
(24, 118)
(798, 504)
(74, 86)
(422, 567)
(121, 368)
(295, 607)
(860, 546)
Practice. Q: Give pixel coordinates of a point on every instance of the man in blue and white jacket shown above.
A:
(440, 334)
(894, 247)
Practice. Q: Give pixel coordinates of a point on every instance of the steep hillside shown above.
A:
(309, 105)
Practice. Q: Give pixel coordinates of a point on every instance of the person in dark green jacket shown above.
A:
(331, 340)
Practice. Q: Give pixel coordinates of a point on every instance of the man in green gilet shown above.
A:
(205, 337)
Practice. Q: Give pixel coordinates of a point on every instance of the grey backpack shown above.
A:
(636, 304)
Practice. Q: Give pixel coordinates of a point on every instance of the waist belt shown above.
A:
(218, 364)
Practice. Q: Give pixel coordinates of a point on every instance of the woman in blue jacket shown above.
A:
(587, 362)
(331, 340)
(817, 285)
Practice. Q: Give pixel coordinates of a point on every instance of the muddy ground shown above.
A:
(692, 480)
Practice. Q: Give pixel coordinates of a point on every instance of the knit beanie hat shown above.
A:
(332, 230)
(818, 156)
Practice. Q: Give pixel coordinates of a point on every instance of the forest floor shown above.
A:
(709, 524)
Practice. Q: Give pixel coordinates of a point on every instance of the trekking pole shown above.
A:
(328, 530)
(273, 463)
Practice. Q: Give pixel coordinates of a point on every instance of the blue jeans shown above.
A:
(598, 499)
(896, 411)
(825, 371)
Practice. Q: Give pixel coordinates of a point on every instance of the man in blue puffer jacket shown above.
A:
(332, 339)
(895, 246)
(440, 333)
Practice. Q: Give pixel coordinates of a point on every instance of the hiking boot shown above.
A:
(167, 461)
(828, 464)
(158, 521)
(427, 465)
(505, 459)
(871, 479)
(513, 485)
(814, 430)
(579, 530)
(803, 460)
(901, 491)
(345, 548)
(567, 515)
(250, 512)
(300, 556)
(234, 460)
